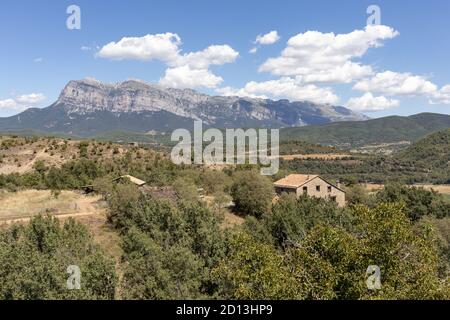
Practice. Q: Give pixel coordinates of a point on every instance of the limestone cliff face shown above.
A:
(89, 107)
(89, 95)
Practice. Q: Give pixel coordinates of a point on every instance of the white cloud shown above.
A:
(8, 104)
(21, 102)
(393, 83)
(253, 50)
(38, 60)
(345, 73)
(186, 77)
(184, 70)
(162, 47)
(30, 99)
(286, 88)
(404, 84)
(326, 56)
(268, 38)
(441, 96)
(213, 55)
(370, 103)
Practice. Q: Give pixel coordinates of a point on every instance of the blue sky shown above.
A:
(398, 67)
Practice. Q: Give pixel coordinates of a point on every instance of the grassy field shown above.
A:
(28, 203)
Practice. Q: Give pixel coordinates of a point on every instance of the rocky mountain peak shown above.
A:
(90, 106)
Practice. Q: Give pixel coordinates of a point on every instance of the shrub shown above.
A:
(34, 261)
(252, 193)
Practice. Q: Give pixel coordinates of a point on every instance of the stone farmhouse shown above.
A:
(311, 185)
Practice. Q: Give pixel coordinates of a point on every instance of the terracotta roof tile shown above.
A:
(294, 180)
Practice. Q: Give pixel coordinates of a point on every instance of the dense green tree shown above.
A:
(254, 270)
(441, 228)
(215, 182)
(154, 271)
(169, 250)
(418, 201)
(122, 197)
(34, 260)
(328, 260)
(357, 194)
(291, 218)
(252, 193)
(327, 264)
(331, 262)
(407, 257)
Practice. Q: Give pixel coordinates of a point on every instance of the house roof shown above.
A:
(295, 180)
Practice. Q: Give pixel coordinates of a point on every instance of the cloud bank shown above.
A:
(189, 70)
(22, 102)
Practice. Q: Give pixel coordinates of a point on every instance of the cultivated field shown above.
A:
(443, 188)
(319, 156)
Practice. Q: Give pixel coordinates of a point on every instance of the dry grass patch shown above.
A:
(231, 220)
(29, 203)
(444, 188)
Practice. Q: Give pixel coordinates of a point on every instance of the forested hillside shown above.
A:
(381, 130)
(432, 153)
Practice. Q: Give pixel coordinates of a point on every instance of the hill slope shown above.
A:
(381, 130)
(432, 152)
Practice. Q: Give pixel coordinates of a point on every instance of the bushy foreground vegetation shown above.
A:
(34, 261)
(298, 249)
(290, 248)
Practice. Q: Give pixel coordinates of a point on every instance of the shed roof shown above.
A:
(134, 180)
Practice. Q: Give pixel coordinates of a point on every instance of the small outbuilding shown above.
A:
(136, 181)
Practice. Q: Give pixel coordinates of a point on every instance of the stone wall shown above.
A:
(321, 189)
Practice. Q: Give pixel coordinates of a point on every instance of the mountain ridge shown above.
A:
(87, 107)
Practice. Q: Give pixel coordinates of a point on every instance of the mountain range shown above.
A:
(89, 107)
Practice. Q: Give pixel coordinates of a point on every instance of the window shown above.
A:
(305, 190)
(281, 190)
(329, 188)
(318, 188)
(333, 199)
